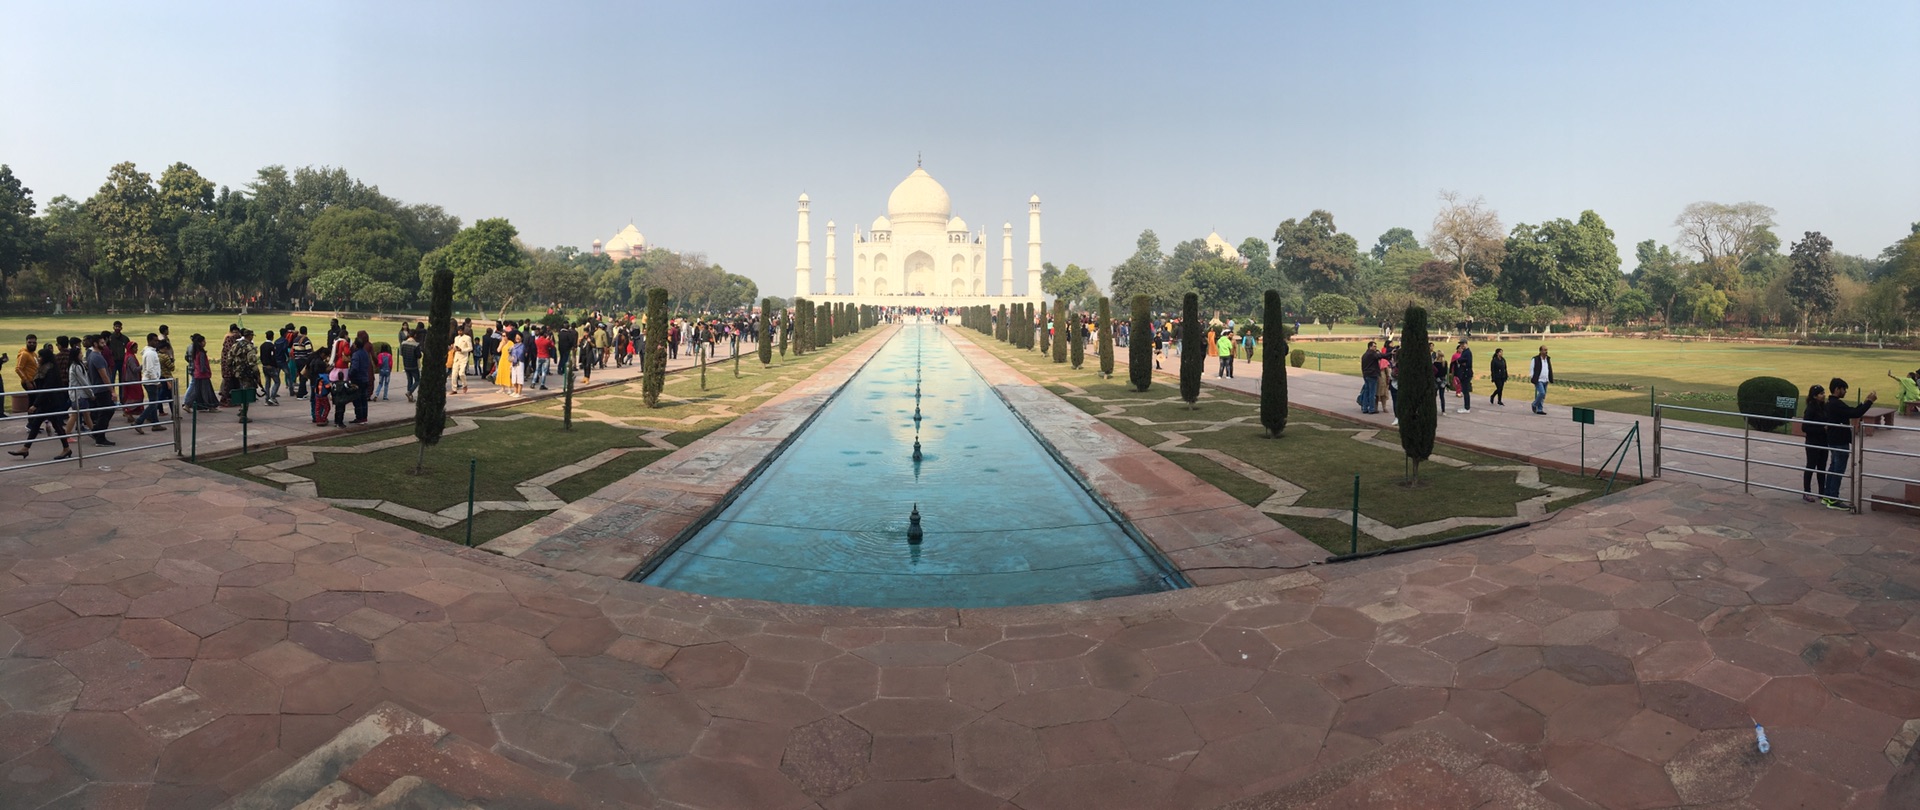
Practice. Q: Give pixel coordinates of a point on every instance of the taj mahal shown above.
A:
(919, 254)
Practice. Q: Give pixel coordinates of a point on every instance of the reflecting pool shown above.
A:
(826, 522)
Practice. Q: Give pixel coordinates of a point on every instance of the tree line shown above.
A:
(1725, 269)
(301, 238)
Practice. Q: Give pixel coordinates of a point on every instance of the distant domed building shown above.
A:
(1223, 249)
(627, 244)
(920, 254)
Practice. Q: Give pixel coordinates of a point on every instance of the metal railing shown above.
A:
(1859, 469)
(77, 437)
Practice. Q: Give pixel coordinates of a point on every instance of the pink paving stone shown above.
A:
(1398, 707)
(500, 641)
(1117, 784)
(1735, 682)
(1204, 683)
(256, 574)
(234, 686)
(1609, 777)
(285, 662)
(158, 638)
(93, 600)
(1672, 661)
(1692, 705)
(329, 642)
(243, 639)
(660, 727)
(216, 749)
(326, 606)
(1652, 736)
(1229, 716)
(937, 794)
(329, 690)
(913, 682)
(706, 666)
(205, 620)
(68, 635)
(996, 756)
(1593, 713)
(108, 747)
(1081, 744)
(1497, 715)
(1353, 680)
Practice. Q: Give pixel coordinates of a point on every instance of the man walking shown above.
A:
(1225, 346)
(299, 353)
(150, 378)
(410, 361)
(1542, 374)
(1463, 376)
(100, 374)
(1370, 378)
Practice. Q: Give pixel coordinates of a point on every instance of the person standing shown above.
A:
(273, 363)
(1370, 378)
(360, 375)
(319, 392)
(200, 396)
(1439, 370)
(383, 366)
(1813, 480)
(1225, 347)
(299, 351)
(462, 355)
(1498, 369)
(28, 368)
(410, 362)
(543, 358)
(245, 369)
(100, 371)
(1839, 428)
(226, 363)
(150, 377)
(47, 405)
(1542, 375)
(1463, 377)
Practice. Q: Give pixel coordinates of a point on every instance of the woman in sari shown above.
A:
(133, 395)
(503, 374)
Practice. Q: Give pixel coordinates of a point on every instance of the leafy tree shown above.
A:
(1314, 253)
(132, 244)
(557, 282)
(1439, 281)
(1563, 263)
(1141, 273)
(381, 295)
(339, 285)
(1140, 344)
(1661, 273)
(1810, 285)
(1543, 316)
(1632, 305)
(501, 285)
(185, 203)
(487, 246)
(1192, 353)
(1273, 367)
(1467, 235)
(1725, 236)
(367, 240)
(1257, 256)
(653, 379)
(1072, 284)
(430, 401)
(1483, 306)
(1418, 409)
(20, 240)
(1329, 309)
(1105, 325)
(1223, 284)
(1394, 239)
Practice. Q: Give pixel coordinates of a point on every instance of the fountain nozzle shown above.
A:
(916, 449)
(914, 533)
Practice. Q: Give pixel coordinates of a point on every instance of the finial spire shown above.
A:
(917, 155)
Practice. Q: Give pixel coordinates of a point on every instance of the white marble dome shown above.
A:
(919, 199)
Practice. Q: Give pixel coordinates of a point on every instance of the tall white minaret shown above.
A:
(1006, 258)
(832, 286)
(803, 248)
(1033, 246)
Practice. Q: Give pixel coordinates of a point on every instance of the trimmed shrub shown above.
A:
(766, 341)
(1104, 323)
(1060, 330)
(1046, 335)
(1765, 400)
(1076, 343)
(1193, 351)
(654, 378)
(430, 402)
(1419, 411)
(1140, 345)
(1273, 373)
(1297, 358)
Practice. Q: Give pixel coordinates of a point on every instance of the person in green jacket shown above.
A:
(1909, 396)
(1224, 347)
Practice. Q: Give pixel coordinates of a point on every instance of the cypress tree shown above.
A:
(1076, 343)
(1105, 324)
(1046, 335)
(430, 401)
(653, 378)
(1140, 345)
(786, 326)
(1193, 357)
(823, 329)
(766, 337)
(1419, 412)
(1060, 330)
(1273, 367)
(1028, 337)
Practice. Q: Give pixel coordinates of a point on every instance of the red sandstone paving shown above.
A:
(1579, 658)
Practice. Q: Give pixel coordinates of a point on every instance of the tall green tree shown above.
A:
(1140, 344)
(1141, 273)
(1072, 284)
(1257, 257)
(1313, 253)
(1193, 357)
(1273, 366)
(766, 332)
(132, 245)
(430, 400)
(20, 241)
(1811, 286)
(364, 239)
(1661, 273)
(474, 252)
(1418, 408)
(1046, 334)
(1562, 262)
(1223, 284)
(1394, 238)
(653, 379)
(1105, 324)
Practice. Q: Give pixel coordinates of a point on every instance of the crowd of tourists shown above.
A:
(89, 377)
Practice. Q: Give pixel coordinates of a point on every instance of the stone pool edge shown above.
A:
(1180, 514)
(619, 529)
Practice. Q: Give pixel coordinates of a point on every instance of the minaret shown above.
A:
(1006, 259)
(832, 287)
(1033, 246)
(803, 248)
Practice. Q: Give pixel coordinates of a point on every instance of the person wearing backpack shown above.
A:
(410, 362)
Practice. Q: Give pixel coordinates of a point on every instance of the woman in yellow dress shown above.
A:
(503, 376)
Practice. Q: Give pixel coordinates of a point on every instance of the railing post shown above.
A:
(79, 439)
(1859, 464)
(1746, 459)
(1656, 442)
(174, 414)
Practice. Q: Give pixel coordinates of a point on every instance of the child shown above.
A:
(383, 365)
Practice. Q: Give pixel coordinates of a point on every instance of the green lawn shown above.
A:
(1318, 454)
(509, 452)
(1689, 374)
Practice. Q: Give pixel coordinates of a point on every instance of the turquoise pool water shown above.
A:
(826, 522)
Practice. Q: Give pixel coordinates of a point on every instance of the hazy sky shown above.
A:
(702, 121)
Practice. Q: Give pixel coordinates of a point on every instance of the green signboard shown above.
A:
(1583, 415)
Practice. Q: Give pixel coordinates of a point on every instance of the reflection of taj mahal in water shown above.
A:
(920, 254)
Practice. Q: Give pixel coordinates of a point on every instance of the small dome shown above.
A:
(881, 224)
(920, 198)
(803, 196)
(956, 225)
(829, 224)
(1034, 199)
(1219, 246)
(627, 240)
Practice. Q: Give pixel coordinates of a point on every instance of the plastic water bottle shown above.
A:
(1761, 733)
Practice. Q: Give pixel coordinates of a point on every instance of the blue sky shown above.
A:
(701, 122)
